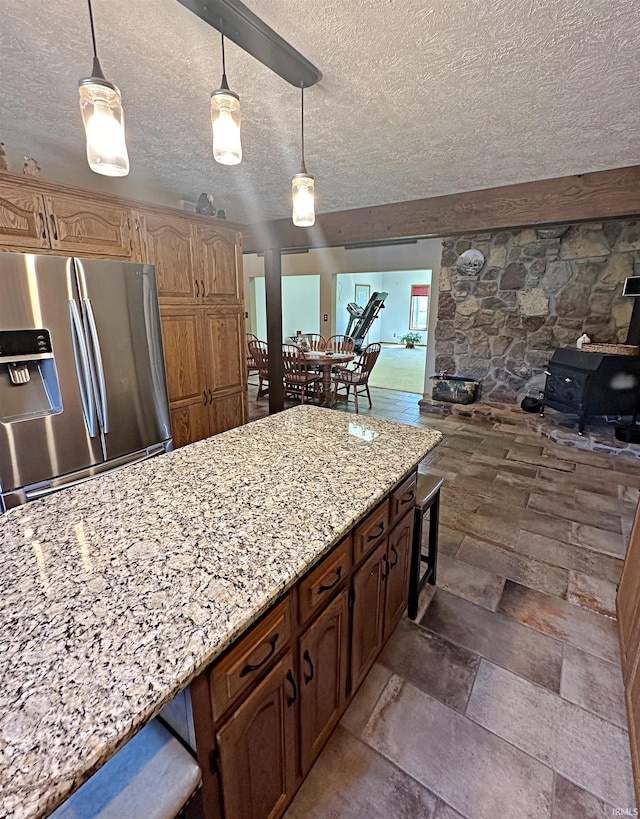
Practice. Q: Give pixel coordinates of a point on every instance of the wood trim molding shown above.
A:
(613, 194)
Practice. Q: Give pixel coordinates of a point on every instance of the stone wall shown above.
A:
(539, 289)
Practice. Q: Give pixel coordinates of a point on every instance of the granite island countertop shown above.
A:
(115, 594)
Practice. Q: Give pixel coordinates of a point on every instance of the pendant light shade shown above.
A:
(303, 188)
(225, 122)
(103, 118)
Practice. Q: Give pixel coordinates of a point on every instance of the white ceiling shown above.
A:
(418, 98)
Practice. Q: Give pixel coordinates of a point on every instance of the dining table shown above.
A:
(324, 362)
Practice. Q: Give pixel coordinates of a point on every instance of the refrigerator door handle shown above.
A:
(95, 343)
(81, 360)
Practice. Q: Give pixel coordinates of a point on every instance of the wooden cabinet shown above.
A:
(380, 590)
(67, 223)
(219, 264)
(168, 244)
(397, 578)
(323, 665)
(257, 748)
(368, 613)
(81, 226)
(266, 708)
(206, 378)
(23, 224)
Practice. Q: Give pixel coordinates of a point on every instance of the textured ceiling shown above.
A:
(417, 99)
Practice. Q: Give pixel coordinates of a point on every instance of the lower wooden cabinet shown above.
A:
(397, 579)
(368, 613)
(257, 748)
(323, 664)
(267, 707)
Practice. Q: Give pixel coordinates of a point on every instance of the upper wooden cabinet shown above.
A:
(219, 264)
(167, 244)
(83, 226)
(22, 219)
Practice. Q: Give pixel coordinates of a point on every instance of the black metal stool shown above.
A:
(423, 566)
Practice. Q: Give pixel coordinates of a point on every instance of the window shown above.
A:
(419, 307)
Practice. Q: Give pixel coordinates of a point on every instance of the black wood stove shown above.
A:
(592, 384)
(587, 383)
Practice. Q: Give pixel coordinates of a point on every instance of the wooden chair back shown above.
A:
(341, 344)
(251, 363)
(259, 352)
(316, 342)
(368, 358)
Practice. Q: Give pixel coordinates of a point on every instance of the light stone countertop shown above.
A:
(116, 593)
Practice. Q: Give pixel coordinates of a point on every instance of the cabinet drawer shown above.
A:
(402, 499)
(318, 586)
(250, 658)
(371, 531)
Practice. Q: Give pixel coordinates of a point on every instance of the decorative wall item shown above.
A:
(31, 167)
(470, 262)
(3, 161)
(205, 205)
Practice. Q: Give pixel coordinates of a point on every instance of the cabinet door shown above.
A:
(219, 263)
(225, 349)
(397, 582)
(82, 226)
(368, 610)
(189, 423)
(227, 412)
(167, 242)
(257, 749)
(188, 400)
(628, 601)
(323, 677)
(22, 219)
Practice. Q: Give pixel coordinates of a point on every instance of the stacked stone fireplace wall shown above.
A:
(539, 289)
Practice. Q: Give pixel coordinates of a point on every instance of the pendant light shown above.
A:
(103, 117)
(225, 121)
(302, 187)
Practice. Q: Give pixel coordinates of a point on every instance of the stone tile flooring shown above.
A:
(504, 698)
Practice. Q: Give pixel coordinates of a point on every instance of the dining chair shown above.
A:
(341, 344)
(298, 380)
(252, 367)
(259, 353)
(316, 342)
(358, 377)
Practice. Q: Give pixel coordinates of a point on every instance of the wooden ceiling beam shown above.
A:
(612, 194)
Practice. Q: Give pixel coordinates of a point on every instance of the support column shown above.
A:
(273, 298)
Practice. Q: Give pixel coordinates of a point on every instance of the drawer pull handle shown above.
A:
(55, 229)
(203, 290)
(407, 497)
(391, 565)
(249, 667)
(324, 588)
(377, 534)
(197, 289)
(308, 677)
(294, 695)
(204, 395)
(44, 225)
(388, 569)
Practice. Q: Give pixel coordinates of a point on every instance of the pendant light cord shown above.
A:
(303, 167)
(93, 31)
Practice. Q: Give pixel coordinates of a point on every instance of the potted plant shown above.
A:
(411, 339)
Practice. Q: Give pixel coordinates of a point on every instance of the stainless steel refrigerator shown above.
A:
(82, 381)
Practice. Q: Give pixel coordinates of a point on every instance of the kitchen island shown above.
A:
(116, 594)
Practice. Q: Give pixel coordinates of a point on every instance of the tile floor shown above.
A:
(504, 698)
